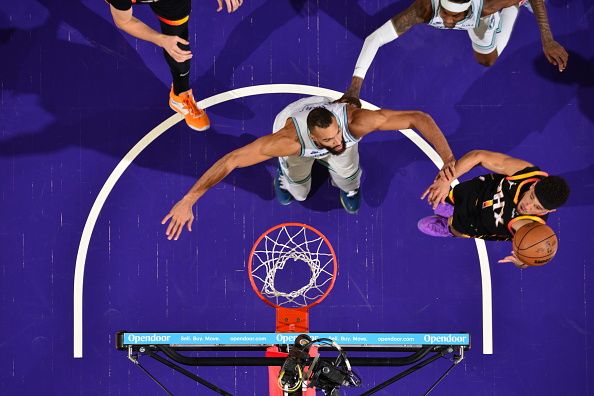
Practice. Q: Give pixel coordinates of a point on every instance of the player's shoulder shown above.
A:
(357, 115)
(529, 171)
(285, 135)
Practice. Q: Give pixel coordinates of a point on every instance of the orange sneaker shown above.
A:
(185, 104)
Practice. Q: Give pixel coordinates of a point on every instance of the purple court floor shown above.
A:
(77, 95)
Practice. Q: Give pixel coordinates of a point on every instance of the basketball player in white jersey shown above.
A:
(310, 129)
(489, 24)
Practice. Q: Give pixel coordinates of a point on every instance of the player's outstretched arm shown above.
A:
(490, 160)
(555, 53)
(364, 122)
(262, 149)
(416, 13)
(495, 162)
(136, 28)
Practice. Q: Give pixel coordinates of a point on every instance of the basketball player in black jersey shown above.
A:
(492, 206)
(173, 17)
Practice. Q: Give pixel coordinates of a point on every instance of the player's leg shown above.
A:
(173, 18)
(490, 38)
(346, 175)
(508, 18)
(293, 179)
(483, 40)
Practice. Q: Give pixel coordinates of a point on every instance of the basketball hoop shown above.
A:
(292, 267)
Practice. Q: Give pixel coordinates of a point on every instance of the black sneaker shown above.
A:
(350, 200)
(283, 196)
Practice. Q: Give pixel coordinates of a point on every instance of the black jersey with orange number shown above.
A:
(485, 207)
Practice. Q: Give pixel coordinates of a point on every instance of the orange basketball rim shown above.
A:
(273, 256)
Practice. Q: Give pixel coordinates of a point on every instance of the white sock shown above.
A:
(508, 19)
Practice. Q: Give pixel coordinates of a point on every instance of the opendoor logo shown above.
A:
(134, 339)
(447, 339)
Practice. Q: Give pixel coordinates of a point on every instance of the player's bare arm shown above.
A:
(136, 28)
(554, 52)
(418, 12)
(283, 143)
(490, 160)
(495, 162)
(363, 122)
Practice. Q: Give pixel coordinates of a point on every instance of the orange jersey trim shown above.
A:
(514, 220)
(526, 175)
(522, 185)
(451, 195)
(174, 23)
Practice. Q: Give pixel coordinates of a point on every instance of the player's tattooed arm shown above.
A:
(262, 149)
(554, 52)
(418, 12)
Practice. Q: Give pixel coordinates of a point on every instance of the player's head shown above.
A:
(324, 131)
(453, 11)
(544, 196)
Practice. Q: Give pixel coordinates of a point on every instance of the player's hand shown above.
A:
(514, 259)
(437, 192)
(170, 44)
(348, 99)
(448, 170)
(232, 5)
(555, 54)
(181, 215)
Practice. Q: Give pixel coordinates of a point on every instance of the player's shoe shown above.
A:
(436, 226)
(283, 196)
(350, 200)
(185, 104)
(444, 210)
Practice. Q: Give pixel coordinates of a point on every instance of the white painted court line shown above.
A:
(81, 257)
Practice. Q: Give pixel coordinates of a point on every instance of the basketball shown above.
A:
(535, 244)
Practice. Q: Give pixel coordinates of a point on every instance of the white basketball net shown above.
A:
(291, 245)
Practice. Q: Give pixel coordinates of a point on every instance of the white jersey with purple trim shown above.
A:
(472, 20)
(298, 112)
